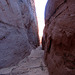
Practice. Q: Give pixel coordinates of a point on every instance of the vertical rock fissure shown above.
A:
(49, 45)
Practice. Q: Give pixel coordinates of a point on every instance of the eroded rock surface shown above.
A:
(31, 65)
(18, 30)
(59, 37)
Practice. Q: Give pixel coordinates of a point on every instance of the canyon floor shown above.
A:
(31, 65)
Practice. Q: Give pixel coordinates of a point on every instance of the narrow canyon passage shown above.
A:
(21, 26)
(19, 51)
(40, 12)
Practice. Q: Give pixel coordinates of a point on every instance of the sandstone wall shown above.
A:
(18, 30)
(59, 37)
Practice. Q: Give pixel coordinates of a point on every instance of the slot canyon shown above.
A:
(20, 49)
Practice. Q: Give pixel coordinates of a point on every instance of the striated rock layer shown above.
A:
(18, 30)
(59, 37)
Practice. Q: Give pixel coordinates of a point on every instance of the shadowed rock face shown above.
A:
(59, 37)
(18, 30)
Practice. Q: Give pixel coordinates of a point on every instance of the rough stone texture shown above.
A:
(31, 65)
(59, 37)
(18, 30)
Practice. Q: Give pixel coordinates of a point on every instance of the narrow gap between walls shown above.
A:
(40, 9)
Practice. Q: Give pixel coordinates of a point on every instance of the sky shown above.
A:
(40, 8)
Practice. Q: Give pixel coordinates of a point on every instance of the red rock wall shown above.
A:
(59, 37)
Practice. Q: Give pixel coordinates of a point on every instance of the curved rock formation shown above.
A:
(59, 37)
(18, 30)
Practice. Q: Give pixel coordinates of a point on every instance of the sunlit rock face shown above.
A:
(18, 30)
(59, 37)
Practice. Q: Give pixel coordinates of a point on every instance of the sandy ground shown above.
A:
(31, 65)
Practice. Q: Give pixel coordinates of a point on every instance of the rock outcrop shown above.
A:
(18, 30)
(59, 37)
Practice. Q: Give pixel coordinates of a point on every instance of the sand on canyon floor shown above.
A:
(31, 65)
